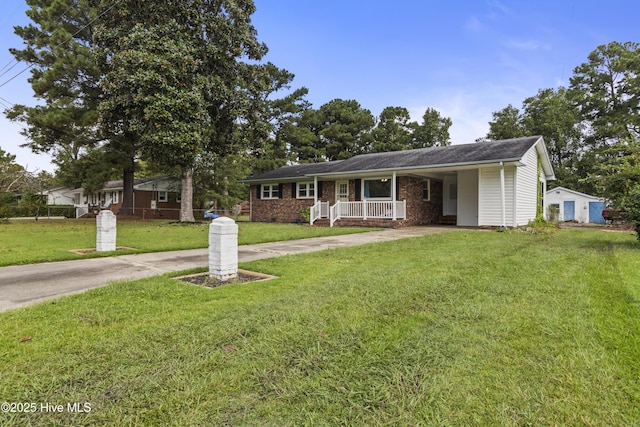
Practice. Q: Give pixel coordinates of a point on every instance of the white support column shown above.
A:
(503, 201)
(315, 190)
(393, 196)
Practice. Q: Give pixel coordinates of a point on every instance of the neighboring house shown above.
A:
(59, 196)
(494, 183)
(154, 197)
(575, 206)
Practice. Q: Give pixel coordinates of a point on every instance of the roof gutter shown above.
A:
(382, 170)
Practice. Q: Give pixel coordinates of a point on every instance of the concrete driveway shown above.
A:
(29, 284)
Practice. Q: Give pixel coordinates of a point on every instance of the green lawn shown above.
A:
(30, 242)
(462, 328)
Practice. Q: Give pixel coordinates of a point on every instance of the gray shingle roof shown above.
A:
(137, 181)
(461, 154)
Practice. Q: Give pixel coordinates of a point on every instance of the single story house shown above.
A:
(493, 183)
(59, 195)
(153, 197)
(570, 205)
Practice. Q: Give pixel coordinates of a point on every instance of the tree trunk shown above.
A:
(127, 191)
(186, 205)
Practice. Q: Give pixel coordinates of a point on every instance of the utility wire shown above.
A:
(68, 39)
(11, 63)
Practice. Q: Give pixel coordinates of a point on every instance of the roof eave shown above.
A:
(411, 168)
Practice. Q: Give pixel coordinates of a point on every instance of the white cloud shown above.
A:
(474, 25)
(526, 45)
(470, 116)
(470, 108)
(499, 6)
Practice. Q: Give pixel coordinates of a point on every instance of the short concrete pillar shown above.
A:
(223, 248)
(105, 231)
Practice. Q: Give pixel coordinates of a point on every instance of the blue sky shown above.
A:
(464, 58)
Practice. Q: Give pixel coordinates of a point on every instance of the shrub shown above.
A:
(68, 211)
(305, 214)
(539, 226)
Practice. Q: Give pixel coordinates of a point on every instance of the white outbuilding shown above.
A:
(571, 205)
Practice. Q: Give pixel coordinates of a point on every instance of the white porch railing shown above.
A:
(81, 210)
(368, 209)
(317, 211)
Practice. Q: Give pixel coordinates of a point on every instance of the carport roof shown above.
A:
(508, 150)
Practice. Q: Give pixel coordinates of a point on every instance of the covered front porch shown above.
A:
(364, 210)
(376, 198)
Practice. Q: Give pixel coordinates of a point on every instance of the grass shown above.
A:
(32, 242)
(463, 328)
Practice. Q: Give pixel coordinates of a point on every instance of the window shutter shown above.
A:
(280, 191)
(319, 189)
(259, 191)
(358, 183)
(397, 188)
(294, 193)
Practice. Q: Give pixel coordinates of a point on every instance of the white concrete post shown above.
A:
(223, 249)
(105, 231)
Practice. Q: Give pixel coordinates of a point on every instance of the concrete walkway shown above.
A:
(24, 285)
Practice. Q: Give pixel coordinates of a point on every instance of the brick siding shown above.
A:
(287, 209)
(142, 206)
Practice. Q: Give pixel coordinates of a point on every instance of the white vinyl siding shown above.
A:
(527, 188)
(490, 197)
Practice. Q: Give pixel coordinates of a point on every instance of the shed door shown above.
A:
(569, 210)
(595, 212)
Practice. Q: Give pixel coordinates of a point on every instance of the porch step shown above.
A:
(448, 220)
(322, 222)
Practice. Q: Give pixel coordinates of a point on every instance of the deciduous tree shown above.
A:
(552, 114)
(506, 124)
(606, 89)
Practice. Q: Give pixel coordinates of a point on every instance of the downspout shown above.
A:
(250, 204)
(503, 202)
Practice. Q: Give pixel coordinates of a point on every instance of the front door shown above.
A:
(342, 191)
(450, 202)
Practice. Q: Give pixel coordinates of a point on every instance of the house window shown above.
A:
(178, 197)
(426, 189)
(305, 190)
(377, 188)
(270, 191)
(162, 196)
(113, 195)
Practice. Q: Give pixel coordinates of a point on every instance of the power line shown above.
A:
(11, 63)
(65, 41)
(5, 101)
